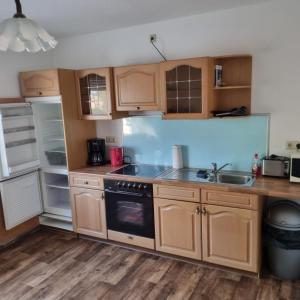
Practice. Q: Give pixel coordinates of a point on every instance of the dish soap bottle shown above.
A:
(256, 166)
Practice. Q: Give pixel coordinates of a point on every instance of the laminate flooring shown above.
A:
(56, 265)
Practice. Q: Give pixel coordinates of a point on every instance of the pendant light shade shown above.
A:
(21, 34)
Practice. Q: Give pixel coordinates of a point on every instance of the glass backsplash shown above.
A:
(149, 140)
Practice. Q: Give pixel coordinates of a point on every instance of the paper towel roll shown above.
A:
(177, 157)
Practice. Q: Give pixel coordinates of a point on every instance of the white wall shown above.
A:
(12, 63)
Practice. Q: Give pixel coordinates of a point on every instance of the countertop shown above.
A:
(273, 187)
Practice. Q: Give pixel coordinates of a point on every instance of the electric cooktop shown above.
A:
(140, 170)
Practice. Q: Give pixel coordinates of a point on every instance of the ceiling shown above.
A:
(64, 18)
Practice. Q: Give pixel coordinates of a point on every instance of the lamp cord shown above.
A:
(19, 13)
(159, 52)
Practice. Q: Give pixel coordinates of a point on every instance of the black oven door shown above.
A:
(130, 213)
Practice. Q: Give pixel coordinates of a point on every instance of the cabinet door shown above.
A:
(177, 227)
(88, 209)
(185, 88)
(231, 237)
(94, 93)
(137, 87)
(39, 83)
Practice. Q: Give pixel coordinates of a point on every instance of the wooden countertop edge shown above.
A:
(272, 187)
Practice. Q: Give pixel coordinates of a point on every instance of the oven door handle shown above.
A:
(126, 193)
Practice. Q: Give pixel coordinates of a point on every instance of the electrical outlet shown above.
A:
(110, 139)
(153, 38)
(292, 145)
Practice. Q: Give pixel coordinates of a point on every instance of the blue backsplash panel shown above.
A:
(149, 140)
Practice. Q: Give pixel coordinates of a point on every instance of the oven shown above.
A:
(129, 212)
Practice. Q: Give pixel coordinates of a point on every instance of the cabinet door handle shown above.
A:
(204, 211)
(198, 210)
(86, 182)
(102, 196)
(137, 107)
(130, 237)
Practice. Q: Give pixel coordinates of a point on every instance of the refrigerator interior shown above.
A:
(19, 139)
(50, 135)
(52, 155)
(56, 196)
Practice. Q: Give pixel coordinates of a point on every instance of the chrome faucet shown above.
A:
(215, 170)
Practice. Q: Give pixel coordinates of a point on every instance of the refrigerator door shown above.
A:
(18, 148)
(21, 199)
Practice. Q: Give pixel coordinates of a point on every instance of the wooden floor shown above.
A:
(54, 265)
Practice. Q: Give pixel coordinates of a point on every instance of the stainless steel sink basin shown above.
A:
(224, 177)
(236, 179)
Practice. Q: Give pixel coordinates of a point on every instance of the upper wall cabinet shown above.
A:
(39, 83)
(234, 89)
(186, 88)
(95, 94)
(137, 88)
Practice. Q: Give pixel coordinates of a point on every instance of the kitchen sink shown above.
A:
(236, 179)
(224, 177)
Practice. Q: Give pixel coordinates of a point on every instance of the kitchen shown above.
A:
(219, 243)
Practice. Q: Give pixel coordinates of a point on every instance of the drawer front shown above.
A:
(239, 200)
(87, 181)
(176, 193)
(130, 239)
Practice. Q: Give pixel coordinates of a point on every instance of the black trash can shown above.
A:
(282, 226)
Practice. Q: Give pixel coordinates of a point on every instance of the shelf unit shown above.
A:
(236, 79)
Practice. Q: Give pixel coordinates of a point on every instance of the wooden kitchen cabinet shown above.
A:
(137, 87)
(186, 88)
(39, 83)
(178, 227)
(88, 210)
(95, 94)
(231, 237)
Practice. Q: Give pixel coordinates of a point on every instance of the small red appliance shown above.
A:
(116, 156)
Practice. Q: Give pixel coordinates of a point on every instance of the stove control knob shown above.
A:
(134, 186)
(140, 187)
(123, 184)
(129, 185)
(118, 184)
(145, 187)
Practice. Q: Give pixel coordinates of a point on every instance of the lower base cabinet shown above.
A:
(88, 209)
(231, 237)
(178, 227)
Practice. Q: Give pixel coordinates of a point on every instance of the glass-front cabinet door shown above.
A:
(94, 93)
(185, 88)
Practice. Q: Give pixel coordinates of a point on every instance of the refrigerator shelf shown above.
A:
(61, 170)
(15, 117)
(54, 120)
(18, 129)
(20, 143)
(58, 186)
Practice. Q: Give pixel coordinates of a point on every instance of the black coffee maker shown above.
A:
(96, 152)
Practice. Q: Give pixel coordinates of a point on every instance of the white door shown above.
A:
(21, 199)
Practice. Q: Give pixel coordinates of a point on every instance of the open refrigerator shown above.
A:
(33, 164)
(51, 147)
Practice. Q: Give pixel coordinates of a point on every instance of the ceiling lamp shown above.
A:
(19, 34)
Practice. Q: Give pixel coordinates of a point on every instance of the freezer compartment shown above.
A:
(21, 199)
(56, 196)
